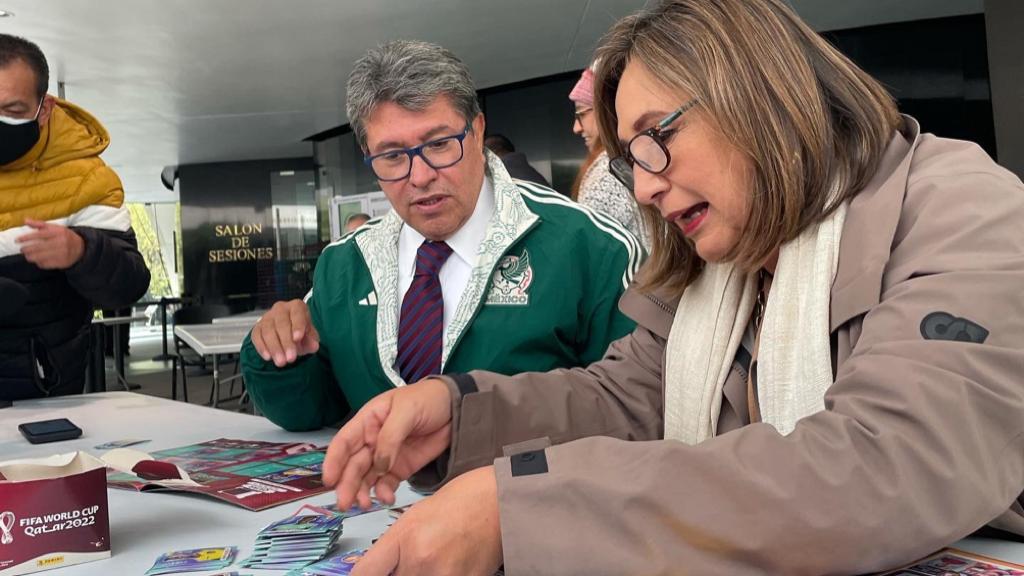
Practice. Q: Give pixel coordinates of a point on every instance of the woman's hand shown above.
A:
(455, 532)
(389, 439)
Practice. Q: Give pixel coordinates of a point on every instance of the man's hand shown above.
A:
(285, 332)
(456, 532)
(389, 439)
(51, 246)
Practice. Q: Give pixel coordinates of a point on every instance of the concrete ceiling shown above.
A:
(185, 81)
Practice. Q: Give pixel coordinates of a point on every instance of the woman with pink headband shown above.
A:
(596, 187)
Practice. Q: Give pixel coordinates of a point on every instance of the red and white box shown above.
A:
(53, 513)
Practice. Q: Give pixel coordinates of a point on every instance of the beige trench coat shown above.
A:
(921, 441)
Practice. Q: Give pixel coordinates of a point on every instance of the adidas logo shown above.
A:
(370, 300)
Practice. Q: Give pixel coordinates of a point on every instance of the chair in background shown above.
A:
(184, 356)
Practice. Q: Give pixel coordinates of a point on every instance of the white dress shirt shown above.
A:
(465, 243)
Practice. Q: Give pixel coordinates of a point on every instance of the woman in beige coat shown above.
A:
(826, 373)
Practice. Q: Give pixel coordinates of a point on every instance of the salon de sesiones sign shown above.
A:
(237, 240)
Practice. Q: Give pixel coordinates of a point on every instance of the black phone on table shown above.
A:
(49, 431)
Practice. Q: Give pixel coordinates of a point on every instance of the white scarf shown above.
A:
(794, 360)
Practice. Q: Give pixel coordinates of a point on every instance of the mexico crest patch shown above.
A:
(511, 281)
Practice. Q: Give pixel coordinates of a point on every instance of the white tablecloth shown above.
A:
(143, 526)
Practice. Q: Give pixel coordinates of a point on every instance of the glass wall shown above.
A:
(293, 210)
(155, 227)
(340, 172)
(297, 242)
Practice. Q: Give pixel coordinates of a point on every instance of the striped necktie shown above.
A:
(421, 325)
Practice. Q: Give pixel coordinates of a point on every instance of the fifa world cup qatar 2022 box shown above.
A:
(53, 513)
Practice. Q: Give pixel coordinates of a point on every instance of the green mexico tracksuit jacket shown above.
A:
(543, 295)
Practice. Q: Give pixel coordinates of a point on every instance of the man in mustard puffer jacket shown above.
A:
(66, 243)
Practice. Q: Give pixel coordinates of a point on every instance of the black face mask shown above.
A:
(17, 139)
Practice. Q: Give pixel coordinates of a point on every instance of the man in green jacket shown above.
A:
(470, 270)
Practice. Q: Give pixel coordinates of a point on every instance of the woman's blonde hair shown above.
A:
(806, 116)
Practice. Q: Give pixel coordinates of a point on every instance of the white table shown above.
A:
(1000, 549)
(251, 317)
(143, 526)
(214, 340)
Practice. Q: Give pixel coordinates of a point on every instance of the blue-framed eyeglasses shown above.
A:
(395, 165)
(648, 149)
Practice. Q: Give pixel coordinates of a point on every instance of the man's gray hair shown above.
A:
(411, 74)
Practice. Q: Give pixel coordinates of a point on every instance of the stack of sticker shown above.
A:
(294, 542)
(197, 559)
(340, 565)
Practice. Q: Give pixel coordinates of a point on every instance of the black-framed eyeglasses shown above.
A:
(648, 149)
(579, 114)
(394, 165)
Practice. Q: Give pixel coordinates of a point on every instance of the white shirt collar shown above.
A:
(465, 243)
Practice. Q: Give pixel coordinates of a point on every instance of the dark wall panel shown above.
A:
(937, 70)
(537, 117)
(228, 247)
